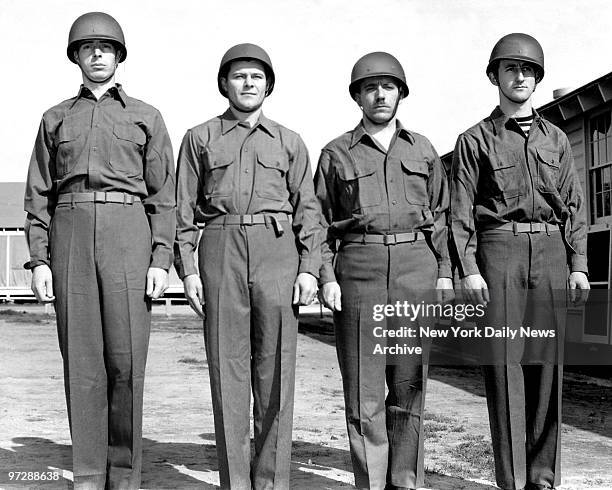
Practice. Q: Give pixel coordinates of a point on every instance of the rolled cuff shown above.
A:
(578, 263)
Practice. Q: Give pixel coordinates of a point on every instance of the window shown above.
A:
(600, 172)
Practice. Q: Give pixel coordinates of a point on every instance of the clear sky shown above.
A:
(175, 47)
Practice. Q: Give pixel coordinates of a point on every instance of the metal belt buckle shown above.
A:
(389, 239)
(99, 196)
(246, 219)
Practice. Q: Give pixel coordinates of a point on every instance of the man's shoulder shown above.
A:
(59, 110)
(206, 126)
(140, 105)
(284, 131)
(341, 142)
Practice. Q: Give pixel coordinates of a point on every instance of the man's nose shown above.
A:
(520, 75)
(380, 93)
(248, 81)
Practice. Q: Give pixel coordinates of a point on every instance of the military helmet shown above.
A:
(92, 26)
(518, 46)
(377, 64)
(246, 51)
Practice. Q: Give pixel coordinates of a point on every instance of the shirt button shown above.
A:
(394, 202)
(246, 171)
(390, 180)
(94, 148)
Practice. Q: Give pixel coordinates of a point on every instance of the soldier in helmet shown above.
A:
(247, 180)
(518, 217)
(100, 225)
(384, 199)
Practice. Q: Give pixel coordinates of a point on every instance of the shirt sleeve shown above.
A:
(464, 176)
(187, 185)
(40, 198)
(305, 210)
(439, 200)
(575, 222)
(159, 203)
(324, 186)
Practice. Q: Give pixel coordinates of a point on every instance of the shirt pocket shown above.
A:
(218, 172)
(416, 173)
(548, 169)
(270, 177)
(360, 185)
(127, 149)
(69, 147)
(507, 174)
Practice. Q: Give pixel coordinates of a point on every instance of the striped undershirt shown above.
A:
(525, 123)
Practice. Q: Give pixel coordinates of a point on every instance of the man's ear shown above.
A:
(75, 56)
(357, 98)
(223, 81)
(493, 78)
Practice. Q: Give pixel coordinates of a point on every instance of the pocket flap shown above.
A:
(549, 157)
(416, 166)
(274, 160)
(68, 133)
(504, 160)
(129, 133)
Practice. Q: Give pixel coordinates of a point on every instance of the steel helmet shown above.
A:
(95, 25)
(518, 46)
(246, 51)
(377, 64)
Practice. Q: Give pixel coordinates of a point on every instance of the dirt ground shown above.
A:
(179, 446)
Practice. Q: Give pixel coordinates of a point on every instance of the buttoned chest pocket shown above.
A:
(360, 186)
(218, 172)
(416, 173)
(127, 149)
(507, 174)
(548, 169)
(70, 144)
(270, 177)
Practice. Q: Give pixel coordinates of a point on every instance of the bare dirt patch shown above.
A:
(179, 447)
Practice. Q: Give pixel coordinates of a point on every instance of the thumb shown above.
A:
(296, 293)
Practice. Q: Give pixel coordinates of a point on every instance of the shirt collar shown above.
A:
(499, 120)
(229, 122)
(359, 132)
(115, 92)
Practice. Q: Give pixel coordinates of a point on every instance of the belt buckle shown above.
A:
(99, 196)
(389, 239)
(535, 227)
(246, 219)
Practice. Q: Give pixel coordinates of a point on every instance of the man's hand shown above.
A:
(42, 284)
(157, 282)
(476, 289)
(331, 296)
(194, 293)
(444, 290)
(578, 288)
(304, 288)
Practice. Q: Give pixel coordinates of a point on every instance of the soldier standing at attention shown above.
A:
(100, 223)
(247, 179)
(384, 198)
(518, 217)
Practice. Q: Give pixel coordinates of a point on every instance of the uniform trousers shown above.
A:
(100, 253)
(250, 333)
(526, 275)
(385, 434)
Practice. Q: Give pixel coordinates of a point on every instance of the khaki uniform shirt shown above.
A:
(114, 144)
(364, 189)
(226, 167)
(500, 176)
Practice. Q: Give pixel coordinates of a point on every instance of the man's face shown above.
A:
(245, 85)
(378, 98)
(97, 59)
(516, 80)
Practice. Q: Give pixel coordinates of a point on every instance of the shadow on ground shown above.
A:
(168, 465)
